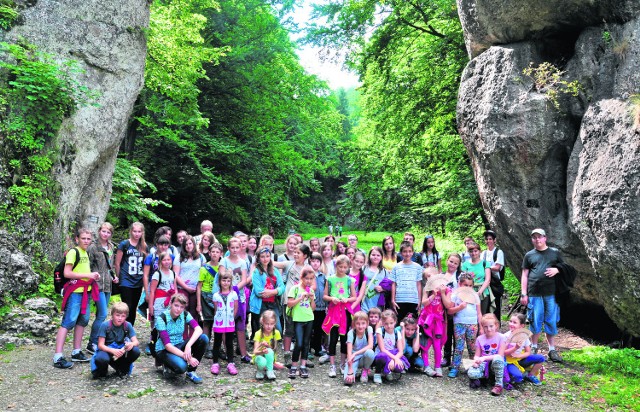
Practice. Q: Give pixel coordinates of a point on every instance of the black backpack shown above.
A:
(503, 269)
(58, 272)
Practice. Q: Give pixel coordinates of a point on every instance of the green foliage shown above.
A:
(612, 379)
(127, 203)
(409, 167)
(547, 79)
(8, 14)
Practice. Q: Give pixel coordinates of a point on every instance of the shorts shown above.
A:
(289, 329)
(72, 316)
(543, 310)
(208, 311)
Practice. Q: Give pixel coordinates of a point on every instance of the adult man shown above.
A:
(205, 226)
(538, 290)
(495, 258)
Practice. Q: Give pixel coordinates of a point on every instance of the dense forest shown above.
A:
(230, 127)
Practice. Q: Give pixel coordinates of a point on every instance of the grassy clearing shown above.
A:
(611, 379)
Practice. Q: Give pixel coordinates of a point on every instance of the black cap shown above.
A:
(490, 233)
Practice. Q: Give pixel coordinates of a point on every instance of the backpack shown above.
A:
(154, 333)
(495, 256)
(59, 281)
(109, 330)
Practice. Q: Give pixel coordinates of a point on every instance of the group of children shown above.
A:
(310, 297)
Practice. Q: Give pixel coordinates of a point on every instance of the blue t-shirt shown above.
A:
(115, 334)
(406, 278)
(130, 265)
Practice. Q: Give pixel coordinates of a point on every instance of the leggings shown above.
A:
(437, 351)
(303, 337)
(131, 296)
(405, 308)
(497, 367)
(448, 345)
(228, 344)
(462, 333)
(265, 362)
(318, 333)
(333, 341)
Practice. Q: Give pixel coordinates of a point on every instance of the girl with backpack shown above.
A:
(390, 357)
(204, 292)
(128, 265)
(482, 275)
(430, 255)
(163, 285)
(374, 273)
(187, 266)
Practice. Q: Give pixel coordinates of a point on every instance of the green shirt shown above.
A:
(302, 311)
(339, 287)
(207, 279)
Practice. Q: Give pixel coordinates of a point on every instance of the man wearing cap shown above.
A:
(538, 289)
(495, 257)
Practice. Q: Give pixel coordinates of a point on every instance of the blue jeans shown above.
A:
(543, 310)
(179, 365)
(102, 308)
(72, 315)
(101, 360)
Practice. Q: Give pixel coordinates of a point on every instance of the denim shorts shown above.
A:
(72, 314)
(543, 310)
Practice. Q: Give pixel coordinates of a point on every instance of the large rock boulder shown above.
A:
(17, 277)
(107, 39)
(572, 170)
(492, 22)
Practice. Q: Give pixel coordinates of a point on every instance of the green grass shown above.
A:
(611, 378)
(140, 393)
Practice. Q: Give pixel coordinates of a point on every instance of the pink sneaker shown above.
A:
(231, 368)
(215, 369)
(364, 378)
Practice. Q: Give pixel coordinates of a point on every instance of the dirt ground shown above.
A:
(28, 382)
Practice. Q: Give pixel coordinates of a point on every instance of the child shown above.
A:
(163, 286)
(482, 278)
(430, 255)
(453, 269)
(357, 274)
(75, 302)
(389, 354)
(328, 265)
(266, 241)
(434, 326)
(519, 357)
(389, 257)
(101, 254)
(359, 349)
(150, 266)
(290, 244)
(187, 267)
(226, 303)
(292, 271)
(465, 256)
(265, 343)
(128, 264)
(204, 293)
(177, 355)
(237, 268)
(117, 344)
(426, 274)
(204, 244)
(341, 249)
(320, 311)
(466, 318)
(413, 341)
(301, 303)
(406, 290)
(314, 244)
(489, 353)
(351, 253)
(374, 273)
(339, 292)
(374, 319)
(267, 287)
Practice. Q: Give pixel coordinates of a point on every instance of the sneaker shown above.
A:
(394, 376)
(304, 372)
(474, 383)
(92, 348)
(533, 379)
(377, 378)
(259, 375)
(62, 363)
(429, 371)
(245, 359)
(309, 364)
(271, 375)
(287, 359)
(438, 373)
(215, 368)
(167, 373)
(364, 378)
(193, 377)
(208, 354)
(79, 357)
(332, 371)
(293, 372)
(147, 349)
(231, 368)
(453, 373)
(555, 356)
(310, 357)
(323, 359)
(496, 391)
(445, 362)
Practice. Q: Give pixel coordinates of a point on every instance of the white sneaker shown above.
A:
(332, 371)
(323, 359)
(271, 375)
(377, 378)
(438, 372)
(429, 371)
(259, 375)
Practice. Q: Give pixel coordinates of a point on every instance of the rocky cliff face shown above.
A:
(572, 170)
(107, 39)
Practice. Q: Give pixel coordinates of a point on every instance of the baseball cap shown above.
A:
(540, 232)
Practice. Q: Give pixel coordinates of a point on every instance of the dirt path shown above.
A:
(29, 382)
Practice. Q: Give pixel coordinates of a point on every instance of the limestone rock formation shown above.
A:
(18, 277)
(574, 170)
(107, 39)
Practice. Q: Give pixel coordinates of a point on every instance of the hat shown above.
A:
(489, 233)
(540, 232)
